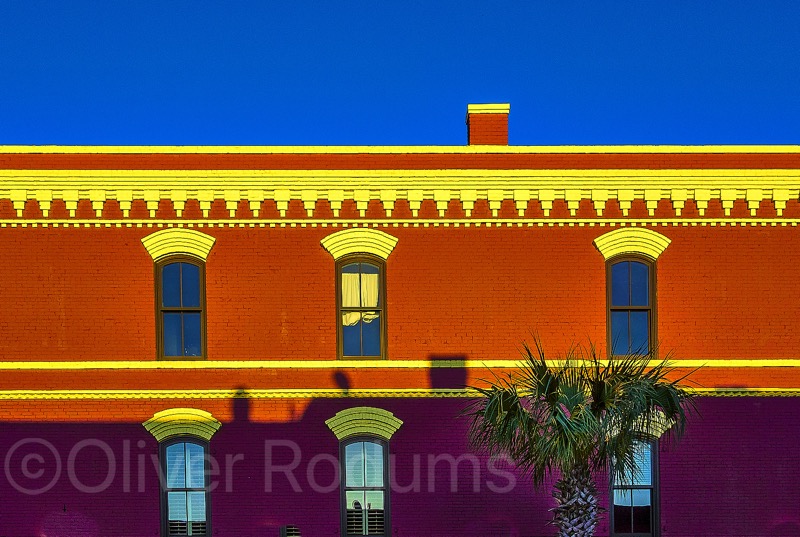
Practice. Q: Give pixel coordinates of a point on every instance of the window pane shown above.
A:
(641, 497)
(354, 464)
(370, 287)
(176, 506)
(641, 511)
(619, 332)
(640, 337)
(371, 333)
(375, 525)
(353, 496)
(643, 463)
(620, 284)
(351, 291)
(352, 268)
(171, 285)
(355, 512)
(191, 334)
(373, 455)
(374, 499)
(622, 511)
(351, 335)
(195, 466)
(640, 284)
(172, 334)
(197, 506)
(191, 285)
(176, 466)
(367, 268)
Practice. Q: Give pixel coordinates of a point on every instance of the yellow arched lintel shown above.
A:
(632, 240)
(182, 421)
(657, 427)
(359, 241)
(178, 241)
(364, 420)
(659, 424)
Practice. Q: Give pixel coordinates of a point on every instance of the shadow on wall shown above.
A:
(448, 371)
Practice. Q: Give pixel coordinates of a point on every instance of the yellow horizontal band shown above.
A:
(320, 393)
(201, 178)
(392, 149)
(422, 222)
(358, 364)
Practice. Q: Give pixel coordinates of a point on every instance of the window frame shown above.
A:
(162, 455)
(381, 264)
(652, 333)
(654, 487)
(387, 511)
(160, 310)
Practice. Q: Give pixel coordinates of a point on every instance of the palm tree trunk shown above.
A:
(576, 513)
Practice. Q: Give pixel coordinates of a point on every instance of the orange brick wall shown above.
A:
(477, 292)
(487, 129)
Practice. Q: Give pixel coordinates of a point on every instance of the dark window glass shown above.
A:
(172, 334)
(171, 285)
(190, 285)
(351, 338)
(640, 284)
(185, 490)
(620, 284)
(639, 329)
(632, 508)
(622, 511)
(371, 336)
(361, 318)
(365, 493)
(630, 308)
(191, 334)
(642, 511)
(181, 310)
(620, 334)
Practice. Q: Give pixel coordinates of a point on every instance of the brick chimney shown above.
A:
(487, 124)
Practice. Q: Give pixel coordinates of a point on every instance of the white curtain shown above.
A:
(350, 297)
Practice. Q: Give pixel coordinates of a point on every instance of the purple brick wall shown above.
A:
(734, 474)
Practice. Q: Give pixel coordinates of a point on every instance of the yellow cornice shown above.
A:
(388, 186)
(182, 421)
(399, 149)
(322, 393)
(359, 364)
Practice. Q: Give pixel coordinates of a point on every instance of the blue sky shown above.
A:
(384, 73)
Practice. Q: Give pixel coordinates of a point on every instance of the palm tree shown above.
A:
(576, 418)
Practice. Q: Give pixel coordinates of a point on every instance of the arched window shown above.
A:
(180, 303)
(185, 487)
(631, 305)
(361, 299)
(635, 498)
(364, 434)
(360, 256)
(365, 486)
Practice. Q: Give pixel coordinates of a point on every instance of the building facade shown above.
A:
(272, 341)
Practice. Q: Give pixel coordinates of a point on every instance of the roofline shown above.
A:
(400, 149)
